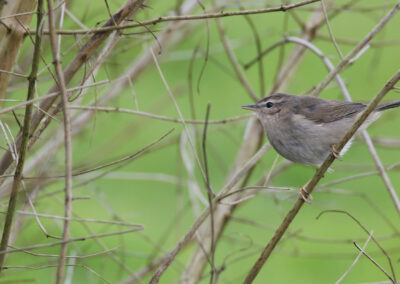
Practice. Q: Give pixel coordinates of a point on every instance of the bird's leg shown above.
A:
(335, 152)
(305, 195)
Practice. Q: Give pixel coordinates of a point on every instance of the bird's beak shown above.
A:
(250, 107)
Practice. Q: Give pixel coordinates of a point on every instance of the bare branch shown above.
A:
(160, 117)
(215, 15)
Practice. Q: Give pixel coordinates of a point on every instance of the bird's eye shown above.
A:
(269, 105)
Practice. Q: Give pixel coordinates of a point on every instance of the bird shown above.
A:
(305, 129)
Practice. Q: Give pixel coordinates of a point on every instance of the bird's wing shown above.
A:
(323, 111)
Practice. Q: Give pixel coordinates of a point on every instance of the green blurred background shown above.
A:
(314, 251)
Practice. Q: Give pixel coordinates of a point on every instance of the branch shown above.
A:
(71, 240)
(160, 117)
(374, 262)
(366, 231)
(382, 171)
(210, 195)
(282, 8)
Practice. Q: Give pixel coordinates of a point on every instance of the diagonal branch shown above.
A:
(355, 260)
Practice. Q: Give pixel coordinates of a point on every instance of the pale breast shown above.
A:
(303, 141)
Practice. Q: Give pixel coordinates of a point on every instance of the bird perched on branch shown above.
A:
(305, 129)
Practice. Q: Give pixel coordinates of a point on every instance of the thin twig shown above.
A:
(330, 30)
(51, 266)
(355, 260)
(374, 262)
(81, 220)
(71, 90)
(69, 256)
(366, 231)
(160, 117)
(67, 139)
(258, 44)
(179, 113)
(210, 195)
(232, 58)
(282, 8)
(382, 171)
(13, 73)
(71, 240)
(118, 161)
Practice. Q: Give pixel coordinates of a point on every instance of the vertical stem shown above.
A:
(25, 135)
(67, 138)
(210, 196)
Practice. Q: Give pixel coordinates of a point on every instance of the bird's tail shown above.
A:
(389, 105)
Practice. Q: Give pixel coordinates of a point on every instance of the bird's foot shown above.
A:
(305, 195)
(335, 152)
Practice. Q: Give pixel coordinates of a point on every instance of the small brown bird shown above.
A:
(305, 129)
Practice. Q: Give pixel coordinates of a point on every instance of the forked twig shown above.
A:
(374, 262)
(366, 231)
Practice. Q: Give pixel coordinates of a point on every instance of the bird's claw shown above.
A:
(305, 195)
(335, 152)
